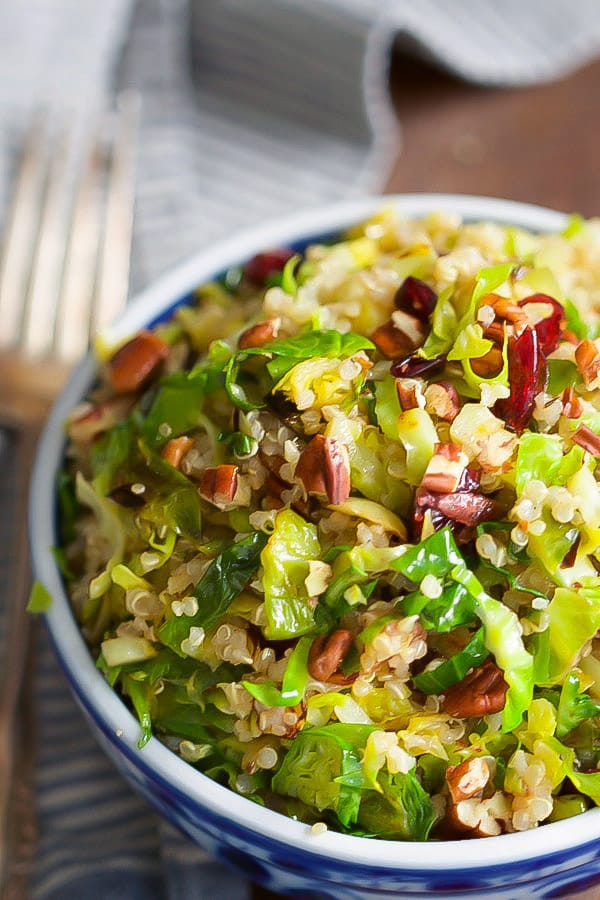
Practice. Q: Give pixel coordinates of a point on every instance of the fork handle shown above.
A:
(17, 818)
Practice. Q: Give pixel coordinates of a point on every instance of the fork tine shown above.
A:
(113, 278)
(20, 232)
(46, 275)
(73, 316)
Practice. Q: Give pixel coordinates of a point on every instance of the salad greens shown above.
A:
(333, 532)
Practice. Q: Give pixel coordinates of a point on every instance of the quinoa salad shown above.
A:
(333, 528)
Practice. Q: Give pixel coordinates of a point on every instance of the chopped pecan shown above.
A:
(324, 468)
(494, 332)
(587, 358)
(450, 451)
(271, 499)
(259, 334)
(508, 310)
(572, 405)
(477, 818)
(468, 778)
(274, 488)
(481, 692)
(400, 336)
(441, 399)
(411, 326)
(445, 469)
(134, 362)
(174, 450)
(587, 439)
(327, 653)
(490, 364)
(407, 395)
(271, 461)
(93, 421)
(218, 485)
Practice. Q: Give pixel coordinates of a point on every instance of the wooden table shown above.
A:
(538, 144)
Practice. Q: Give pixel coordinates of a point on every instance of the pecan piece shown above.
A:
(399, 336)
(479, 818)
(88, 424)
(587, 357)
(468, 778)
(324, 468)
(481, 692)
(508, 310)
(174, 450)
(587, 439)
(572, 405)
(274, 487)
(327, 653)
(218, 485)
(445, 468)
(494, 332)
(133, 363)
(441, 399)
(407, 395)
(259, 334)
(488, 365)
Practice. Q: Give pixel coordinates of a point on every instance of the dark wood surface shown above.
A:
(537, 144)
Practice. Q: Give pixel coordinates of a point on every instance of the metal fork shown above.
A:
(64, 272)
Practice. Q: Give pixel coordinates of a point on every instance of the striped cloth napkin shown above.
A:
(250, 108)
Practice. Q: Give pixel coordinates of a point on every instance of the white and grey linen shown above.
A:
(250, 108)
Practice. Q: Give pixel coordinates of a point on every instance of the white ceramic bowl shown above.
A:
(277, 851)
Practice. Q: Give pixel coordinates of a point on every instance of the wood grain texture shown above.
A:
(537, 144)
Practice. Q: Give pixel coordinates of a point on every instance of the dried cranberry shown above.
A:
(462, 508)
(467, 507)
(414, 365)
(458, 509)
(426, 500)
(527, 372)
(124, 496)
(570, 556)
(263, 265)
(550, 329)
(415, 297)
(469, 479)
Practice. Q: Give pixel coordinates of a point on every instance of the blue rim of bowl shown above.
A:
(575, 837)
